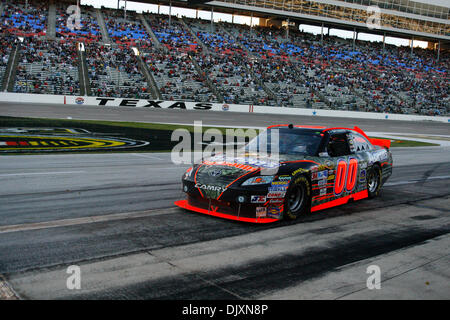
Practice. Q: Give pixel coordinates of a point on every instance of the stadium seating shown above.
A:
(226, 66)
(6, 45)
(114, 72)
(173, 35)
(231, 63)
(124, 30)
(24, 19)
(176, 77)
(49, 67)
(172, 67)
(89, 29)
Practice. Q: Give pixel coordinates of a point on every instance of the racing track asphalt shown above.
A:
(59, 210)
(49, 189)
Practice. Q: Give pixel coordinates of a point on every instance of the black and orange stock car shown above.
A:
(315, 168)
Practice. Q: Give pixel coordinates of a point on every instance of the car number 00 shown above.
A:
(345, 175)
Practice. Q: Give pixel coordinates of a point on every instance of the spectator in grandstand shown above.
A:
(47, 67)
(114, 72)
(89, 29)
(19, 19)
(243, 64)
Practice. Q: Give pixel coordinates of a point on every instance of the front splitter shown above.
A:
(185, 205)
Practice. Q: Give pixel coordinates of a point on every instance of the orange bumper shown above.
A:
(185, 205)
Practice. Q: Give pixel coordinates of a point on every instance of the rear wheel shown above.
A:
(374, 181)
(297, 198)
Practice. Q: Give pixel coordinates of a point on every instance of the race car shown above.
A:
(315, 168)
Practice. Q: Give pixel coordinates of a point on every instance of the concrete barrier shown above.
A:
(141, 103)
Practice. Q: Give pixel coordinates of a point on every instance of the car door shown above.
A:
(361, 148)
(347, 161)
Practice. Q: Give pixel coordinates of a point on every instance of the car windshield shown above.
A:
(295, 141)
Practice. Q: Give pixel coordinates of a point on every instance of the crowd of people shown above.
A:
(122, 28)
(86, 29)
(114, 72)
(199, 61)
(6, 45)
(176, 76)
(172, 34)
(24, 18)
(228, 65)
(344, 76)
(47, 66)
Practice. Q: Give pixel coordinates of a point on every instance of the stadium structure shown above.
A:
(120, 53)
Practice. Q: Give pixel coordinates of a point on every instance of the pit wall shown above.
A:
(141, 103)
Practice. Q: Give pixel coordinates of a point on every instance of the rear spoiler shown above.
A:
(384, 143)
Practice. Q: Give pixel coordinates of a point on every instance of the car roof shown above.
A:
(297, 126)
(386, 143)
(310, 127)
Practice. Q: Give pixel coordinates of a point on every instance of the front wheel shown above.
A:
(297, 198)
(374, 181)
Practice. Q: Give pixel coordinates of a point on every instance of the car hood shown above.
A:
(216, 174)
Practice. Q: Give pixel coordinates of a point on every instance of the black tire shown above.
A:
(298, 198)
(373, 181)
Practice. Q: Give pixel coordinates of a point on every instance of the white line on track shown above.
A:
(37, 173)
(146, 156)
(85, 220)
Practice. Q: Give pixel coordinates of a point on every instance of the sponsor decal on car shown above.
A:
(257, 199)
(276, 200)
(229, 164)
(362, 175)
(322, 182)
(277, 188)
(210, 187)
(215, 172)
(250, 161)
(274, 212)
(284, 178)
(278, 194)
(382, 156)
(323, 191)
(261, 212)
(280, 183)
(322, 174)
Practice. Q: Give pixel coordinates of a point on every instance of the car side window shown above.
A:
(360, 143)
(338, 145)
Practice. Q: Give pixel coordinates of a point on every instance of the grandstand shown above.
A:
(48, 67)
(114, 71)
(157, 56)
(24, 18)
(89, 31)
